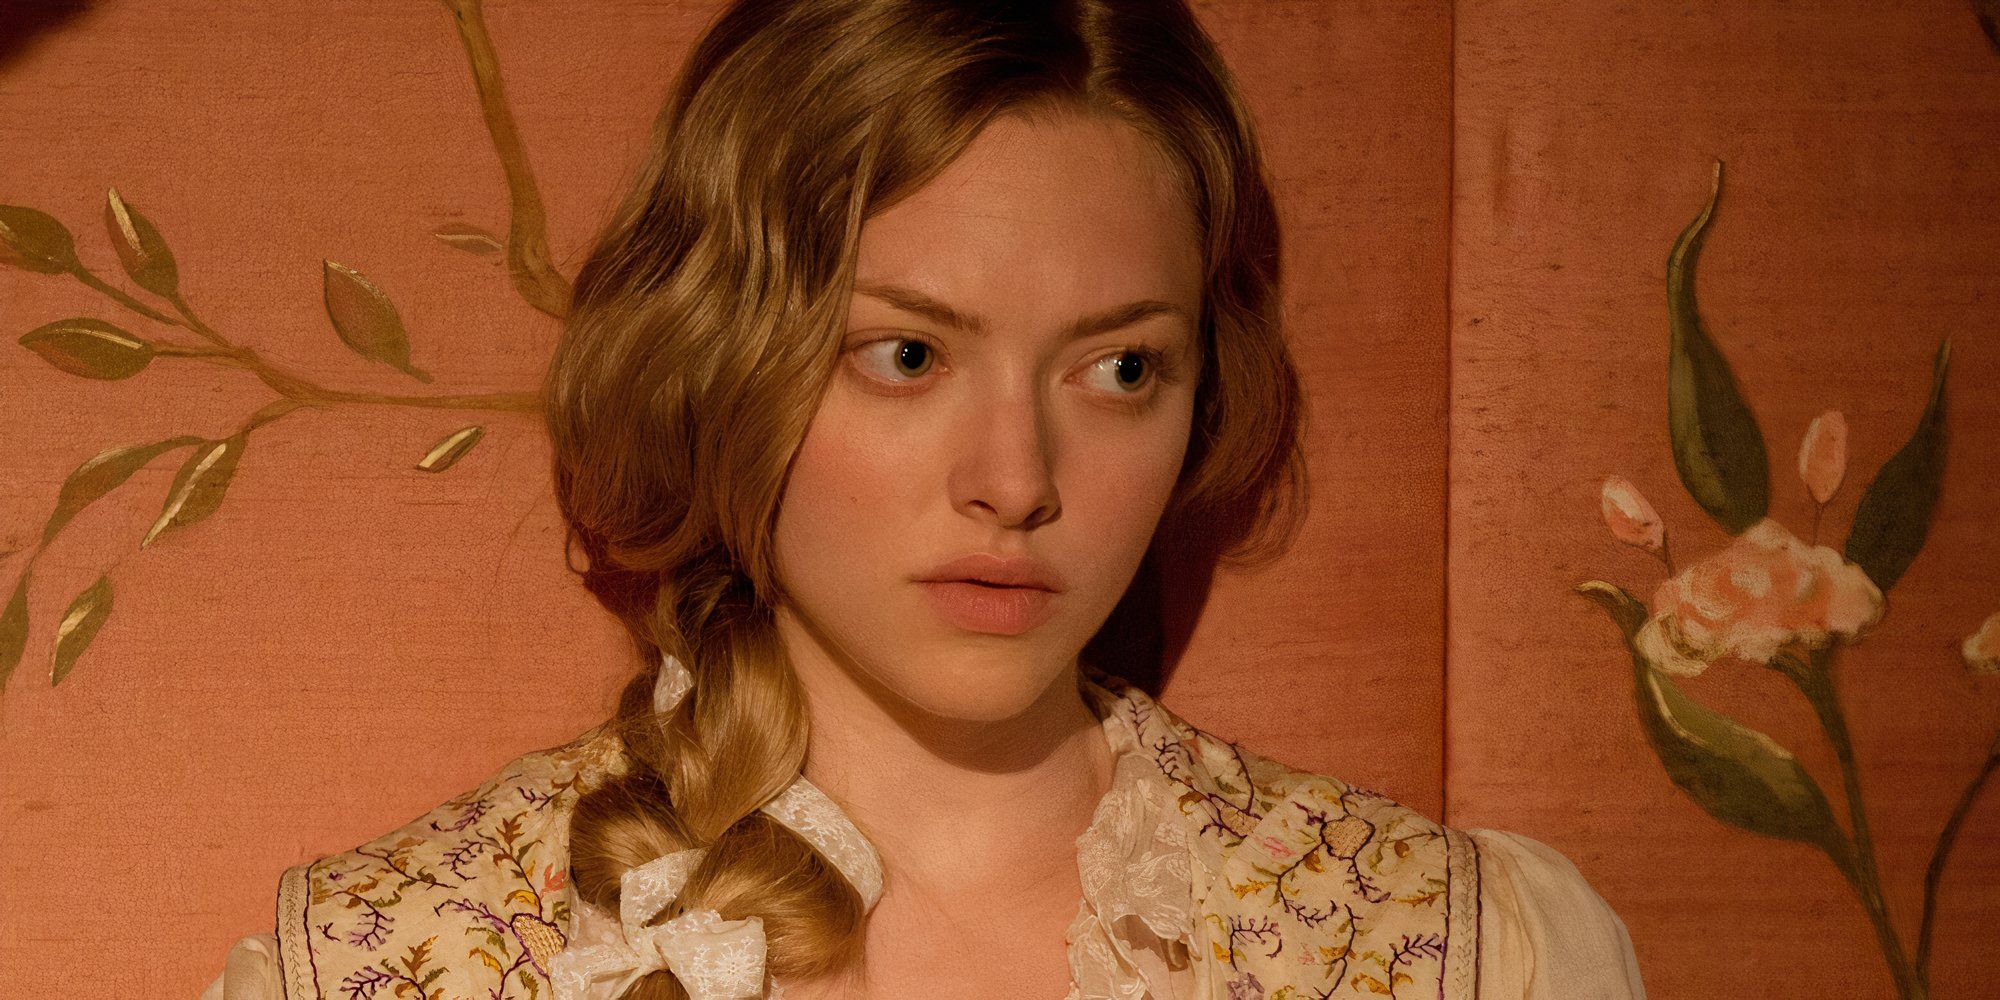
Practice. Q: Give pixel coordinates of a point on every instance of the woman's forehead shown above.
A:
(1083, 211)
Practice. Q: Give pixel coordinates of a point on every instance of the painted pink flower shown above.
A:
(1823, 455)
(1767, 590)
(1628, 515)
(1982, 647)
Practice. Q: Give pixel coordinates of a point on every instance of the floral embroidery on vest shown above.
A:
(471, 899)
(1304, 886)
(1309, 887)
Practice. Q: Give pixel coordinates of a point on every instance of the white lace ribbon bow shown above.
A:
(714, 959)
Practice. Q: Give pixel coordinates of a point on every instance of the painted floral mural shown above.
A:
(1772, 600)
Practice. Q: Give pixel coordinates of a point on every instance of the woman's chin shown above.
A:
(976, 689)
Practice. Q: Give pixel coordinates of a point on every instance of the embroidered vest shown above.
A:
(1305, 886)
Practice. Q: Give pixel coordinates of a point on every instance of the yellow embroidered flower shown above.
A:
(543, 939)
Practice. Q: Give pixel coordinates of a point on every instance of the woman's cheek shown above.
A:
(849, 480)
(1122, 497)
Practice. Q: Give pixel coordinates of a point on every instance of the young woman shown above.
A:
(933, 336)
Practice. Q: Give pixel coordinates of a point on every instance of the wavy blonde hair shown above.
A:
(707, 320)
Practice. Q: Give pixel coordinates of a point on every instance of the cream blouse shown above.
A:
(1544, 933)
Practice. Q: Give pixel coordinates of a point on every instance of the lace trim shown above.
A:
(816, 817)
(1131, 935)
(1461, 960)
(294, 947)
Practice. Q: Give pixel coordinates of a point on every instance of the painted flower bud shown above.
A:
(1630, 518)
(1823, 455)
(1982, 647)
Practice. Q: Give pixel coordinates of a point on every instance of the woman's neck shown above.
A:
(956, 806)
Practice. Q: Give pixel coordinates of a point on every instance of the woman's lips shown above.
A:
(980, 607)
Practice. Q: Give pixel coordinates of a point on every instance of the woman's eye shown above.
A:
(899, 358)
(905, 359)
(1128, 370)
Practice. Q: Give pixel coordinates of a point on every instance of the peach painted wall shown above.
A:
(1478, 205)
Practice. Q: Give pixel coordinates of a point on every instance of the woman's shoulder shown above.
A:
(1545, 932)
(1468, 911)
(1241, 789)
(1400, 895)
(1306, 879)
(476, 886)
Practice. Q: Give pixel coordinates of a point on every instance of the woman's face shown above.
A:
(1017, 380)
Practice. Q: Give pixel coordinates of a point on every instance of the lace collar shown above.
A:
(1133, 926)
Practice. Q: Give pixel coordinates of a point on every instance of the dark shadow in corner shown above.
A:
(22, 22)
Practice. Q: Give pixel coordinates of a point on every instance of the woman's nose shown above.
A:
(1003, 464)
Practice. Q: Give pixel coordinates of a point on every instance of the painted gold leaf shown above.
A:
(91, 348)
(35, 241)
(448, 450)
(140, 248)
(80, 623)
(366, 320)
(14, 628)
(102, 474)
(471, 239)
(199, 486)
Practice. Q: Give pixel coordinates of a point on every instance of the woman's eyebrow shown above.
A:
(917, 303)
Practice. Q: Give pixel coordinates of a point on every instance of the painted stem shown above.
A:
(309, 393)
(119, 296)
(1816, 681)
(527, 229)
(1935, 873)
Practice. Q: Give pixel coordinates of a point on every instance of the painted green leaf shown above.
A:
(199, 486)
(1894, 516)
(1718, 450)
(35, 241)
(14, 628)
(91, 348)
(140, 248)
(366, 320)
(1739, 775)
(80, 623)
(471, 239)
(443, 454)
(102, 474)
